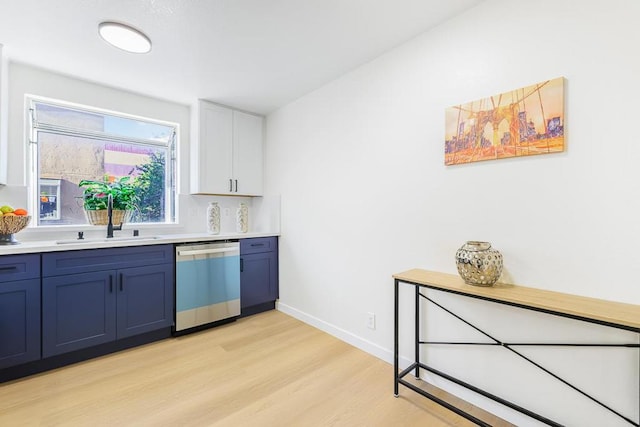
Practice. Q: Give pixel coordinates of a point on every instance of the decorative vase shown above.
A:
(242, 218)
(478, 264)
(213, 218)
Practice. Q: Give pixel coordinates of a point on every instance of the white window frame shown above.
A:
(171, 162)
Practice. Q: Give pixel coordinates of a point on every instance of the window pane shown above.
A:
(79, 147)
(66, 117)
(109, 124)
(134, 128)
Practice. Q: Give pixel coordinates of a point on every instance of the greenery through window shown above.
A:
(72, 144)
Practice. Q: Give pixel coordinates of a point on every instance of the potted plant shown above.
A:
(95, 199)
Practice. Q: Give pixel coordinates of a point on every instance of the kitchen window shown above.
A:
(70, 143)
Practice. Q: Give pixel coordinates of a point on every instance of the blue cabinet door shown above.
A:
(258, 278)
(19, 322)
(96, 296)
(145, 299)
(78, 311)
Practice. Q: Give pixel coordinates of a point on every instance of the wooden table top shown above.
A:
(601, 311)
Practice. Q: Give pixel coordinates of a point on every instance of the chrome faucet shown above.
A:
(110, 226)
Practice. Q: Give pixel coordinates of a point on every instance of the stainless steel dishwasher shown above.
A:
(207, 285)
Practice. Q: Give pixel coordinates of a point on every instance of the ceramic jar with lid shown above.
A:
(242, 218)
(213, 218)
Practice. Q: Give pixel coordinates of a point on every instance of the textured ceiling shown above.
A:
(256, 55)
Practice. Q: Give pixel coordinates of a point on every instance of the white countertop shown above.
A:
(117, 242)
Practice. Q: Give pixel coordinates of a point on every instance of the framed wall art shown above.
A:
(521, 122)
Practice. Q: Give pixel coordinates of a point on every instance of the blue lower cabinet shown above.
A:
(19, 322)
(101, 305)
(78, 311)
(258, 274)
(259, 280)
(145, 299)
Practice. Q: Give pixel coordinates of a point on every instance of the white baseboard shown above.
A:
(346, 336)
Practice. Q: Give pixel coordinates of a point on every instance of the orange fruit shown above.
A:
(21, 212)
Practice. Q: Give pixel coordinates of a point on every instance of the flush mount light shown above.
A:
(124, 37)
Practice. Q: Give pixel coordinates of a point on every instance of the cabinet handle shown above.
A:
(110, 284)
(257, 245)
(241, 265)
(236, 185)
(10, 268)
(121, 284)
(230, 185)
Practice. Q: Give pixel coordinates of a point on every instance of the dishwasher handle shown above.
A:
(187, 252)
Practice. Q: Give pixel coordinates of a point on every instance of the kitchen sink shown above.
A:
(105, 240)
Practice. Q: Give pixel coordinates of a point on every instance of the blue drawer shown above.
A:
(19, 267)
(73, 262)
(258, 245)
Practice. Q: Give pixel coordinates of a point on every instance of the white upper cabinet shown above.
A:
(247, 153)
(226, 156)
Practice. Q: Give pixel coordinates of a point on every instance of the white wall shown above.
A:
(359, 165)
(3, 114)
(24, 79)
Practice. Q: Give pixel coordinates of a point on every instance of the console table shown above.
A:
(591, 310)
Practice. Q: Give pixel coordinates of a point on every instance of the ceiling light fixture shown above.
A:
(124, 37)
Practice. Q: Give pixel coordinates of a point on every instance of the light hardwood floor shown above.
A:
(265, 370)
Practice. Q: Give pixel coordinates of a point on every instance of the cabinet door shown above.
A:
(247, 154)
(212, 154)
(258, 278)
(19, 322)
(78, 311)
(145, 299)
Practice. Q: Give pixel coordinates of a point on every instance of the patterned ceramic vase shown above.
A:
(478, 264)
(242, 218)
(213, 218)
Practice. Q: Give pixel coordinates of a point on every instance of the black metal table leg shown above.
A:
(417, 331)
(395, 340)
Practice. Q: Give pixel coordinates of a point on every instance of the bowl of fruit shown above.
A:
(11, 222)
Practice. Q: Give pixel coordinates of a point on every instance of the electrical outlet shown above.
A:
(227, 211)
(371, 320)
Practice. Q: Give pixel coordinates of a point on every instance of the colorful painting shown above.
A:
(522, 122)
